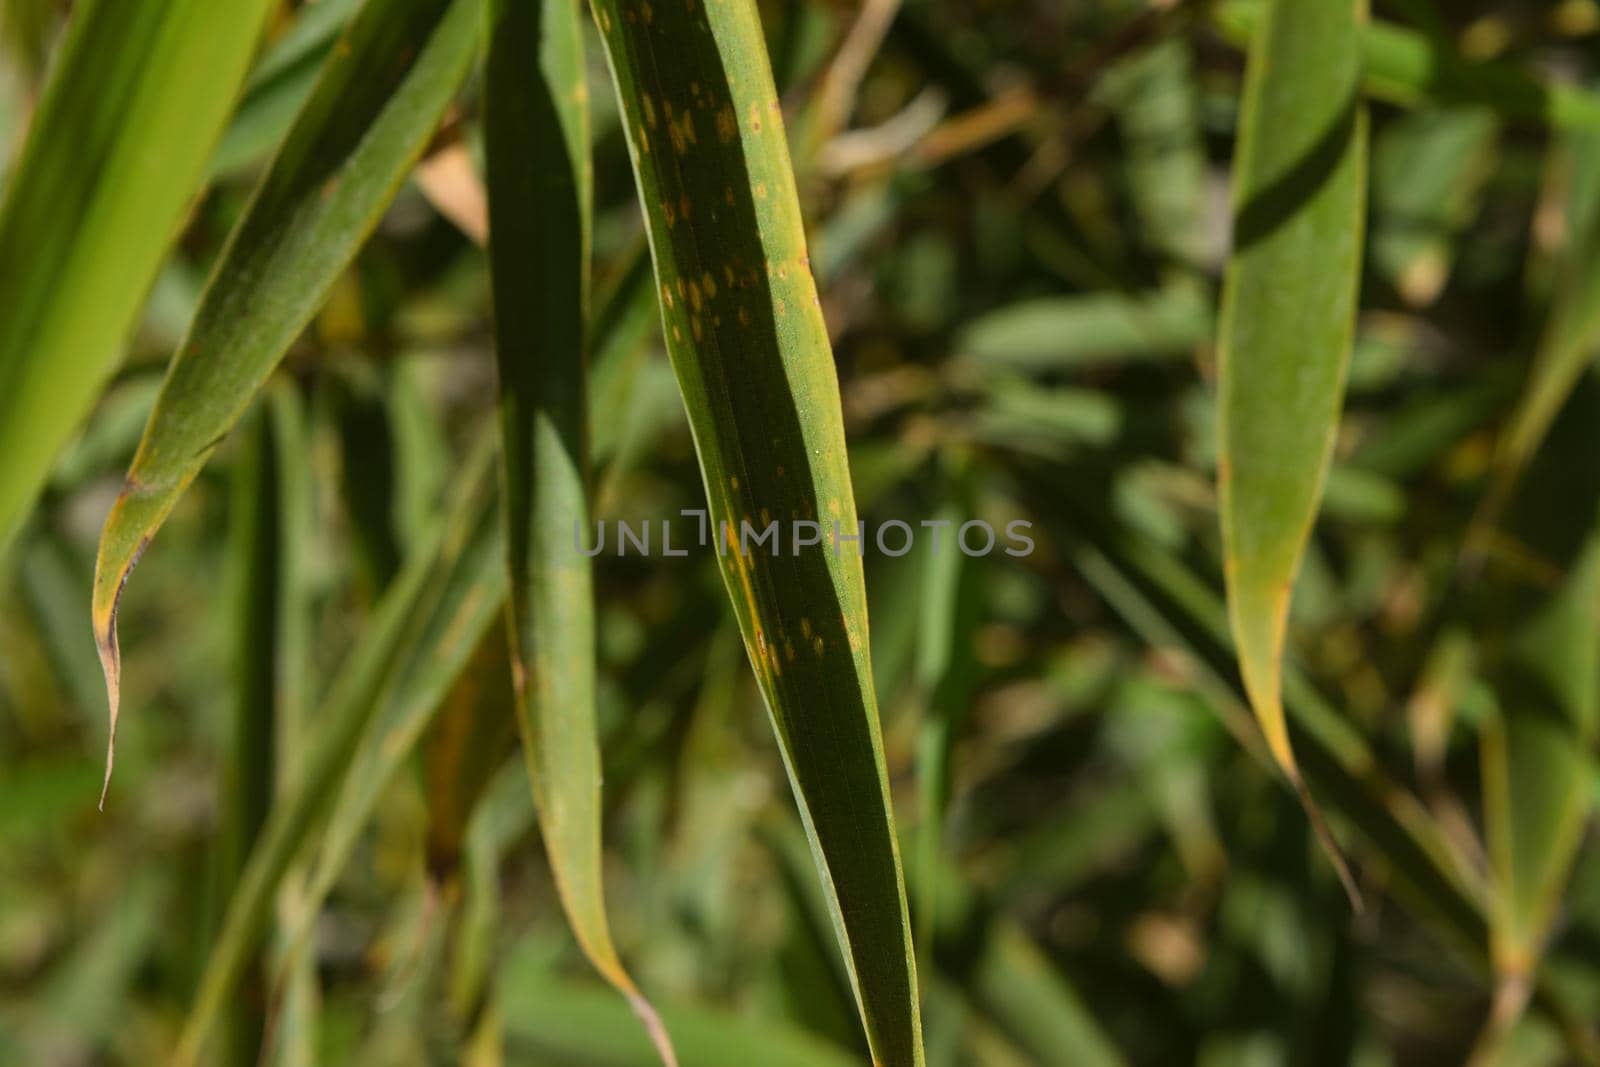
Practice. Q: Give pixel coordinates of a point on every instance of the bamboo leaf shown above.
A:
(536, 130)
(945, 674)
(1288, 320)
(745, 333)
(378, 99)
(116, 151)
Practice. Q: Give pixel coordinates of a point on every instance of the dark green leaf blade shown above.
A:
(744, 329)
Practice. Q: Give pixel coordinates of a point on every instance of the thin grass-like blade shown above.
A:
(540, 186)
(267, 655)
(1288, 320)
(355, 139)
(745, 332)
(1538, 768)
(438, 647)
(393, 669)
(117, 149)
(1566, 349)
(947, 613)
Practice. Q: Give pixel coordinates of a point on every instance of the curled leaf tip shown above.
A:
(1330, 847)
(104, 613)
(1265, 692)
(111, 667)
(653, 1026)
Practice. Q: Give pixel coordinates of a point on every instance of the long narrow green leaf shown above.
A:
(117, 149)
(293, 1021)
(409, 627)
(1288, 320)
(536, 139)
(263, 522)
(378, 99)
(1538, 768)
(744, 329)
(948, 615)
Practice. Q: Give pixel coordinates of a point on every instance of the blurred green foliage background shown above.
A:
(1018, 215)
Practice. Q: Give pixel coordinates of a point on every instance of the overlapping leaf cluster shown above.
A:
(1274, 320)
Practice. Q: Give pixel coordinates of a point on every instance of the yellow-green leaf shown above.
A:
(1288, 319)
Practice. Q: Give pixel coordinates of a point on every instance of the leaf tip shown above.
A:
(107, 601)
(1330, 847)
(653, 1026)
